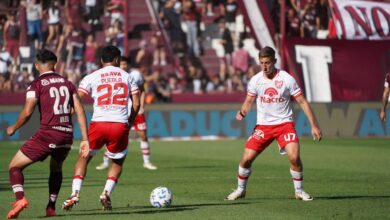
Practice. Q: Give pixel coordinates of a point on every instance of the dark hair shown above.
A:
(125, 59)
(267, 52)
(109, 53)
(46, 56)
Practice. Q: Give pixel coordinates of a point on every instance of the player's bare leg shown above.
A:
(144, 144)
(16, 166)
(296, 170)
(244, 171)
(112, 178)
(80, 172)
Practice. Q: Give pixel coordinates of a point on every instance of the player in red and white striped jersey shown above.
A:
(111, 88)
(272, 89)
(139, 124)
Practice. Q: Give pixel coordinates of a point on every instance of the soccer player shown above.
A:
(272, 89)
(56, 99)
(139, 124)
(111, 88)
(385, 98)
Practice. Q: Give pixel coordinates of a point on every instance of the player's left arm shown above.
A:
(385, 99)
(24, 115)
(135, 97)
(315, 129)
(142, 98)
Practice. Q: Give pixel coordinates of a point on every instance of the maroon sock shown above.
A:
(55, 181)
(16, 179)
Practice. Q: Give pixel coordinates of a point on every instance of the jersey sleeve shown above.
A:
(85, 86)
(251, 88)
(294, 88)
(133, 86)
(32, 91)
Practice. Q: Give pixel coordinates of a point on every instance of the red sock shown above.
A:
(16, 179)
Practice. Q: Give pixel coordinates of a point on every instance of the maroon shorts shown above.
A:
(112, 134)
(263, 135)
(48, 142)
(139, 123)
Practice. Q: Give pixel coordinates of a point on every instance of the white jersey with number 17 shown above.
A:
(273, 97)
(110, 87)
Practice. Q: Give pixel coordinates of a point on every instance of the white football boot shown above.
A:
(236, 194)
(304, 196)
(150, 166)
(102, 166)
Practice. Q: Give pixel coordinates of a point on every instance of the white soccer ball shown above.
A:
(161, 197)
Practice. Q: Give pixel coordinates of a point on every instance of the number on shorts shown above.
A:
(120, 91)
(289, 137)
(57, 93)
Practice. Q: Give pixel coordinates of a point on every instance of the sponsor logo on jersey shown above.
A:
(258, 134)
(278, 84)
(45, 82)
(271, 96)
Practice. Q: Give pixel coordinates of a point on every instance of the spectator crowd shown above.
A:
(76, 31)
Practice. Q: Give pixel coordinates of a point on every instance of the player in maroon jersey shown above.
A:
(385, 98)
(56, 99)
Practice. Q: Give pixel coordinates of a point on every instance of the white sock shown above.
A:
(106, 160)
(297, 178)
(110, 185)
(145, 151)
(17, 188)
(242, 178)
(77, 183)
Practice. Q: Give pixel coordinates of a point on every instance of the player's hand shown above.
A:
(316, 133)
(240, 116)
(383, 115)
(11, 130)
(84, 149)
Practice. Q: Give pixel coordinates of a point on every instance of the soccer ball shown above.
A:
(161, 197)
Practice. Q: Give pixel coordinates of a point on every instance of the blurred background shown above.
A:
(197, 56)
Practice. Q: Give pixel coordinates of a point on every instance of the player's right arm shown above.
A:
(24, 115)
(385, 99)
(246, 107)
(79, 109)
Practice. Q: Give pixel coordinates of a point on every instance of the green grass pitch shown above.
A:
(349, 179)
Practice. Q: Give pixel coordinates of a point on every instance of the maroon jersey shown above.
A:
(55, 101)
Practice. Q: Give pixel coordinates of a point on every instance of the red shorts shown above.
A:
(139, 123)
(112, 134)
(48, 142)
(263, 135)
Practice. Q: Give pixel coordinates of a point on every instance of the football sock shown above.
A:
(55, 181)
(297, 178)
(110, 185)
(106, 160)
(16, 179)
(242, 178)
(77, 183)
(145, 151)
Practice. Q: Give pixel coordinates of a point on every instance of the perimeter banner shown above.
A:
(216, 121)
(357, 19)
(339, 70)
